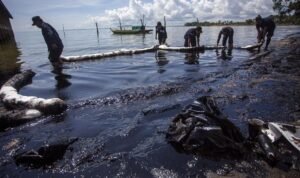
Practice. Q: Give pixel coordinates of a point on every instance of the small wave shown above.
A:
(135, 94)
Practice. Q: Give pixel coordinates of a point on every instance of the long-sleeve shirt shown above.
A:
(51, 36)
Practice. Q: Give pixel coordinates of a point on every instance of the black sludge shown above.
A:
(202, 129)
(45, 155)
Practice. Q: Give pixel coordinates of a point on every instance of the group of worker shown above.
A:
(265, 28)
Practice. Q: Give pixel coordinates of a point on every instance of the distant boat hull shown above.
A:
(130, 32)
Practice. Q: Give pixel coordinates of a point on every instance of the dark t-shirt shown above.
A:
(161, 31)
(267, 23)
(227, 31)
(191, 33)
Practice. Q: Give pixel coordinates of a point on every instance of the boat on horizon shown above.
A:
(133, 30)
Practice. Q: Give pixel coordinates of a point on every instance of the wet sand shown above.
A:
(266, 89)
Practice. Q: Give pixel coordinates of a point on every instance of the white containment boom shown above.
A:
(12, 99)
(123, 52)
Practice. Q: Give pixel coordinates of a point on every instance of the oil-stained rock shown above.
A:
(202, 129)
(45, 155)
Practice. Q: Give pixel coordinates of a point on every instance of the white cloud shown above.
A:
(83, 13)
(187, 10)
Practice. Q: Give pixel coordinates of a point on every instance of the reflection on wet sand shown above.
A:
(192, 58)
(161, 61)
(61, 78)
(223, 55)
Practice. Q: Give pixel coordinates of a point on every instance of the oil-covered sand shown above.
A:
(266, 89)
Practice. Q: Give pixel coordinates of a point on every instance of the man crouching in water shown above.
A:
(192, 37)
(54, 43)
(227, 32)
(264, 27)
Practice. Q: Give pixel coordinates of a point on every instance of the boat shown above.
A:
(133, 30)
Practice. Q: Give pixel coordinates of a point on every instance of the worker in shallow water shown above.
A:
(52, 39)
(192, 37)
(227, 33)
(161, 33)
(265, 27)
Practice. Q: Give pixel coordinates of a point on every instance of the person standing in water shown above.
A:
(161, 33)
(52, 39)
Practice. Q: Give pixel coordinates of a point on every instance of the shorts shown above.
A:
(54, 54)
(230, 36)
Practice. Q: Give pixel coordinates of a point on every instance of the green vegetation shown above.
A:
(288, 11)
(287, 7)
(279, 20)
(221, 23)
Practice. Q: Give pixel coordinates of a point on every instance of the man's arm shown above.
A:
(259, 33)
(166, 33)
(219, 37)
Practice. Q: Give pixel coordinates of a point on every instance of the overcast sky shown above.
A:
(83, 13)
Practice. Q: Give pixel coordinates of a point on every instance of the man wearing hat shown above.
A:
(54, 43)
(192, 37)
(265, 27)
(227, 33)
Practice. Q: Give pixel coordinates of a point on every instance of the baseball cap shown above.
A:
(36, 19)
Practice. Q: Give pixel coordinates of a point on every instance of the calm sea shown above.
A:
(108, 99)
(100, 77)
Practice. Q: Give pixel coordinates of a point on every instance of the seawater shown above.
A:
(96, 78)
